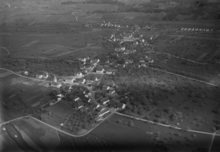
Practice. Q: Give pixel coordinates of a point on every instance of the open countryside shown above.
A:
(110, 75)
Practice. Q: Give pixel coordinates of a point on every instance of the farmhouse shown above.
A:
(105, 102)
(100, 71)
(79, 104)
(121, 106)
(39, 76)
(56, 84)
(104, 99)
(77, 99)
(97, 106)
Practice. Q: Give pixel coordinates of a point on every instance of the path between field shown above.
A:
(23, 76)
(213, 137)
(168, 54)
(14, 120)
(73, 13)
(208, 83)
(5, 50)
(164, 125)
(65, 53)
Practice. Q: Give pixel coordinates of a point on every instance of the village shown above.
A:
(86, 74)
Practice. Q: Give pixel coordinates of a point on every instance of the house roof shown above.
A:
(120, 105)
(104, 99)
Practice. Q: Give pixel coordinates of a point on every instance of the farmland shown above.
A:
(109, 75)
(43, 136)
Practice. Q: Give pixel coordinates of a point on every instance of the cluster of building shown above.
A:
(145, 62)
(131, 37)
(44, 75)
(109, 24)
(196, 29)
(106, 102)
(129, 44)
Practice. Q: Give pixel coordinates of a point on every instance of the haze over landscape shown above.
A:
(109, 75)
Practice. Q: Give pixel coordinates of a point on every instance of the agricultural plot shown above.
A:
(51, 37)
(30, 97)
(174, 139)
(203, 72)
(61, 110)
(8, 113)
(27, 139)
(189, 48)
(88, 142)
(42, 136)
(215, 146)
(93, 7)
(123, 136)
(178, 101)
(16, 136)
(195, 113)
(5, 74)
(20, 95)
(51, 119)
(7, 143)
(83, 52)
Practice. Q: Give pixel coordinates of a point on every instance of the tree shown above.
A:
(131, 123)
(159, 146)
(200, 149)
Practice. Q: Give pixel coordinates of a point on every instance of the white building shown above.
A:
(97, 106)
(105, 102)
(26, 72)
(100, 71)
(77, 99)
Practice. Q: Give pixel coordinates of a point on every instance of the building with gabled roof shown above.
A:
(121, 105)
(80, 104)
(105, 102)
(77, 99)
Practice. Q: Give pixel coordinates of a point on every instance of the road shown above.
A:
(168, 126)
(213, 137)
(57, 129)
(23, 75)
(14, 120)
(124, 115)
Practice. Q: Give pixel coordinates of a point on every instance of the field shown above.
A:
(123, 137)
(139, 135)
(43, 136)
(172, 138)
(7, 143)
(60, 110)
(215, 146)
(161, 73)
(24, 45)
(27, 90)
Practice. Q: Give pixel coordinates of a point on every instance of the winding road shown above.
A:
(57, 129)
(168, 126)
